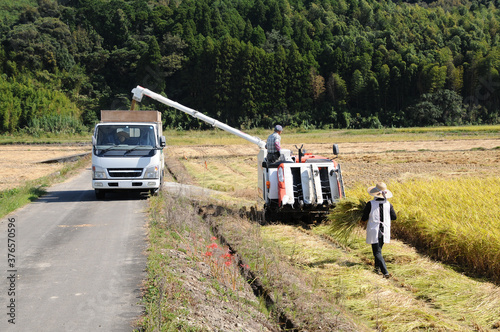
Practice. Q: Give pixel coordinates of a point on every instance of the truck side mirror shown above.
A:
(93, 141)
(163, 141)
(335, 149)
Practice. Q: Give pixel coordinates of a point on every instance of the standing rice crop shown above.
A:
(453, 220)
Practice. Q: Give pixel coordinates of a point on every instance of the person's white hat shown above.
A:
(380, 191)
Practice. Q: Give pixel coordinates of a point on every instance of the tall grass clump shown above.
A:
(453, 220)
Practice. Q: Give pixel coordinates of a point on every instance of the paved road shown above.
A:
(80, 262)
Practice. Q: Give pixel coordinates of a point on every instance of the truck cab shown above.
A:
(127, 152)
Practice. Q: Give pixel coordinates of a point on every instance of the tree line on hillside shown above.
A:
(253, 63)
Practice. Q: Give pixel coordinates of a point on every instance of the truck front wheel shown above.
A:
(100, 194)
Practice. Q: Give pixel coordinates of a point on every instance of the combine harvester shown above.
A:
(302, 187)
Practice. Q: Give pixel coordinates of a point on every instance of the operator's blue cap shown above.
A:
(278, 128)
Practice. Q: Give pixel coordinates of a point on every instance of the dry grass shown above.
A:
(189, 287)
(194, 283)
(294, 291)
(28, 191)
(22, 163)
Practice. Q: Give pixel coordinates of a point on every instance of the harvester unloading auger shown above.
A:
(297, 187)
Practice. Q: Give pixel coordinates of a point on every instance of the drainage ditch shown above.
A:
(252, 279)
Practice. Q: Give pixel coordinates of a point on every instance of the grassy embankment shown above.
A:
(423, 293)
(196, 285)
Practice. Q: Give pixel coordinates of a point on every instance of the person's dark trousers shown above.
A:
(377, 253)
(273, 157)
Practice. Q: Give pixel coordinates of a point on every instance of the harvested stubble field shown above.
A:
(315, 283)
(362, 163)
(24, 162)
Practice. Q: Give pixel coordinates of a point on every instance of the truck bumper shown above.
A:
(138, 184)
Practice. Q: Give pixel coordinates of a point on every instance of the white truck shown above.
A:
(127, 152)
(294, 187)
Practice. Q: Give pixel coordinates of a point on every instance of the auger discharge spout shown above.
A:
(139, 92)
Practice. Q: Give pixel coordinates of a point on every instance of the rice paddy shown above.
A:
(445, 252)
(454, 220)
(299, 135)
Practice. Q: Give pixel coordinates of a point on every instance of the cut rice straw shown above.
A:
(345, 218)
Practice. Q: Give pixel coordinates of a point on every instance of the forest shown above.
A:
(251, 63)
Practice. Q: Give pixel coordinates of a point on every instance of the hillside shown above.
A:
(252, 63)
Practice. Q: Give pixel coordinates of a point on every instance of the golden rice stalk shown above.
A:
(345, 217)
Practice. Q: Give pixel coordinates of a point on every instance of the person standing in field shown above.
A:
(273, 145)
(379, 213)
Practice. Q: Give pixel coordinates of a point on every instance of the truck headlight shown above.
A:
(152, 172)
(98, 173)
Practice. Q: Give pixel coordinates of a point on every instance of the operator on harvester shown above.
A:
(273, 145)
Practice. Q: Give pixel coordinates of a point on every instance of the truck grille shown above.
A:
(124, 173)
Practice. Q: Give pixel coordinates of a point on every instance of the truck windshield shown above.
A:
(125, 139)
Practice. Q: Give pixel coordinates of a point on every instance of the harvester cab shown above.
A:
(295, 186)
